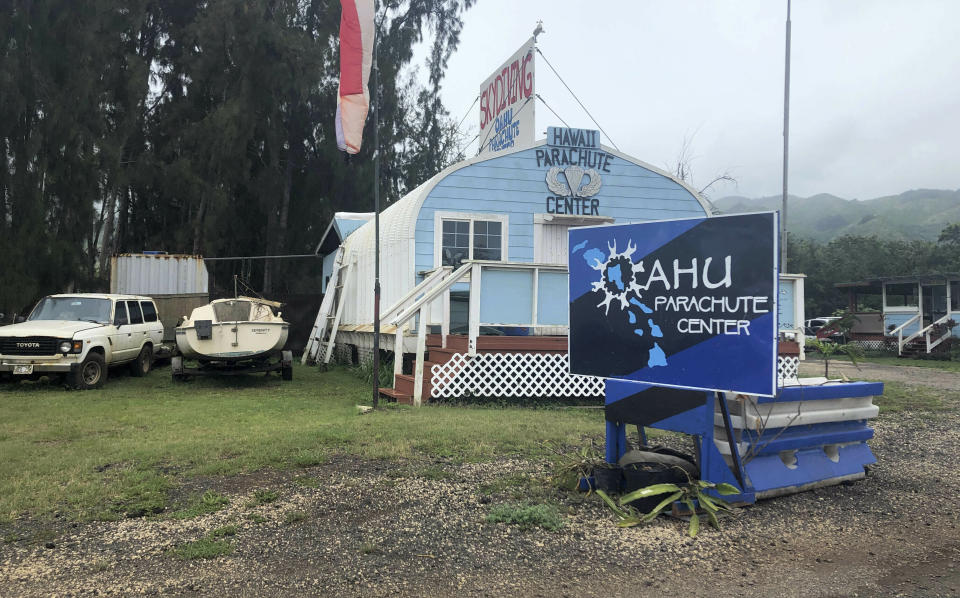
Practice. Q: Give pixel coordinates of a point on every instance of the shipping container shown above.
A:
(158, 274)
(177, 283)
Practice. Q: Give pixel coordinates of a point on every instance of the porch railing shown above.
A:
(518, 294)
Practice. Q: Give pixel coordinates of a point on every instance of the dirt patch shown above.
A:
(351, 527)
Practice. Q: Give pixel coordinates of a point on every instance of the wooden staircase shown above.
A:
(403, 389)
(917, 346)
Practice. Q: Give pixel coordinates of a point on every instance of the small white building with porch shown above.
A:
(474, 268)
(909, 314)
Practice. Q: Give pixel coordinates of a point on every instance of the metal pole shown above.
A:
(376, 220)
(786, 148)
(731, 439)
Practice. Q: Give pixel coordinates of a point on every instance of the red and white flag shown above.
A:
(356, 57)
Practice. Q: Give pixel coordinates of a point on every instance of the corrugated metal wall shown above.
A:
(143, 274)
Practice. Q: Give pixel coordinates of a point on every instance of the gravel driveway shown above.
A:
(388, 529)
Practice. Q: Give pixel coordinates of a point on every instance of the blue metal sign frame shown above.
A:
(688, 304)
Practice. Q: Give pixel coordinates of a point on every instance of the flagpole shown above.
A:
(786, 148)
(376, 217)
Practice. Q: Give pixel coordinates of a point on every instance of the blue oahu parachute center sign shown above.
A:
(687, 304)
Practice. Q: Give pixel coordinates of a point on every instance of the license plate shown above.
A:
(23, 370)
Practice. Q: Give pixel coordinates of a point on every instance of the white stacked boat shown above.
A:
(236, 333)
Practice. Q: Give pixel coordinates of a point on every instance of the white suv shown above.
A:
(78, 336)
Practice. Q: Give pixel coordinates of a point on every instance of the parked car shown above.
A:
(79, 336)
(819, 328)
(815, 324)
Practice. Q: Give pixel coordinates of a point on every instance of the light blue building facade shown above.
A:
(512, 212)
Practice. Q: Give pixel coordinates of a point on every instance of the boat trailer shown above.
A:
(284, 365)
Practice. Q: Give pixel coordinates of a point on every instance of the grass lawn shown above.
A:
(947, 366)
(898, 397)
(100, 454)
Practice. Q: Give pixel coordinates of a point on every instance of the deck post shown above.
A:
(421, 349)
(474, 327)
(445, 319)
(398, 353)
(536, 291)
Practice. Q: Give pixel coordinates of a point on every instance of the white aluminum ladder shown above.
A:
(319, 347)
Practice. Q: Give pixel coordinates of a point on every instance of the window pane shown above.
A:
(136, 317)
(149, 311)
(487, 240)
(486, 254)
(902, 295)
(456, 242)
(955, 295)
(120, 314)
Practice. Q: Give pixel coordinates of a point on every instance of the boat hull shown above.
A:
(233, 341)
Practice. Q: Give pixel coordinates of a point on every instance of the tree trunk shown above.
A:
(198, 225)
(107, 239)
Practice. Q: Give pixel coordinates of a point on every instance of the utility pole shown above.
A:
(786, 149)
(376, 217)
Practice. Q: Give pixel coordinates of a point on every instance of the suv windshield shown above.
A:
(81, 309)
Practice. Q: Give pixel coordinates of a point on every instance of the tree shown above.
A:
(192, 126)
(950, 235)
(682, 169)
(828, 349)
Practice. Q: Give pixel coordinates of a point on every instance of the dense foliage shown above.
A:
(197, 127)
(851, 258)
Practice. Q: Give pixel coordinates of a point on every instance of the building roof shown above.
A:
(399, 219)
(342, 224)
(934, 277)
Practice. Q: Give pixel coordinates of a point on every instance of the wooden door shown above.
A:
(550, 243)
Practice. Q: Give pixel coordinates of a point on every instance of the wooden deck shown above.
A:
(457, 343)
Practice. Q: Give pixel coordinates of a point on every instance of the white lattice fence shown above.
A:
(788, 369)
(533, 375)
(511, 375)
(877, 345)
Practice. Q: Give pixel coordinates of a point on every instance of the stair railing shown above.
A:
(432, 279)
(926, 332)
(406, 313)
(898, 332)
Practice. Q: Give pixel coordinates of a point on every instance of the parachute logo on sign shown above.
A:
(574, 186)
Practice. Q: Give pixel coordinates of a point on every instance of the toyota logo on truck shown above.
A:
(28, 345)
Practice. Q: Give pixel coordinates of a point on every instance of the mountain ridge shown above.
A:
(915, 214)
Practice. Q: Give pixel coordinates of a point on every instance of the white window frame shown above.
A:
(912, 309)
(471, 217)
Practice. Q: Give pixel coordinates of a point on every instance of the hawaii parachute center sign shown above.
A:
(507, 100)
(679, 303)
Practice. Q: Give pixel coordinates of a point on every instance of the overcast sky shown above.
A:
(875, 85)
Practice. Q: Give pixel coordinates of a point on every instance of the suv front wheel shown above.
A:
(91, 374)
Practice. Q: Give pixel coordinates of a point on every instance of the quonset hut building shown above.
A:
(474, 268)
